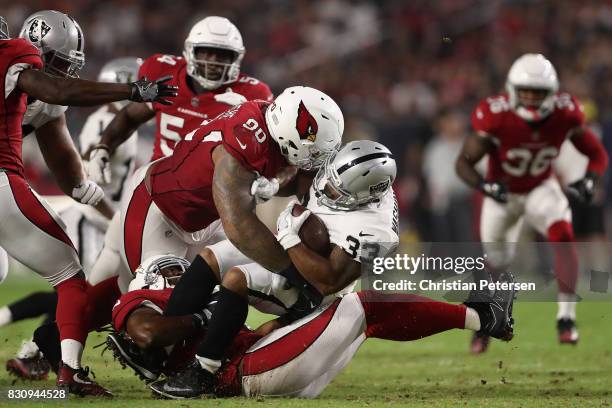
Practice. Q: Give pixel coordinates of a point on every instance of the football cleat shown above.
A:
(78, 382)
(568, 333)
(146, 364)
(494, 310)
(479, 343)
(34, 368)
(193, 382)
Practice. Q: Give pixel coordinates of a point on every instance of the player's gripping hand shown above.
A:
(98, 168)
(144, 90)
(583, 189)
(264, 189)
(230, 98)
(88, 193)
(288, 226)
(496, 190)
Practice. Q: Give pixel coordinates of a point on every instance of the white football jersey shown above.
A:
(122, 162)
(364, 233)
(38, 113)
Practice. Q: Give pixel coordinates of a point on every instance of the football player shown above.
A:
(522, 131)
(297, 360)
(209, 82)
(352, 195)
(52, 41)
(84, 225)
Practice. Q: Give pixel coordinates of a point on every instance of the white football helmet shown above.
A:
(360, 173)
(4, 31)
(307, 125)
(214, 32)
(151, 273)
(532, 71)
(59, 39)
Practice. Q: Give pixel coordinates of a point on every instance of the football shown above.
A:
(313, 233)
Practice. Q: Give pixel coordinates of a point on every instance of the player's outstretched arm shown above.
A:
(80, 92)
(328, 275)
(235, 204)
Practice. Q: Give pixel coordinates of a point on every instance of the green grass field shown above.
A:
(531, 371)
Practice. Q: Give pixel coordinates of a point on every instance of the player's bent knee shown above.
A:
(561, 231)
(211, 260)
(235, 281)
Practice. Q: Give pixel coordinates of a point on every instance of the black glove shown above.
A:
(144, 90)
(496, 190)
(309, 295)
(582, 190)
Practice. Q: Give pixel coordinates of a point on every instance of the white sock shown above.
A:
(6, 316)
(28, 349)
(72, 351)
(472, 320)
(208, 364)
(567, 306)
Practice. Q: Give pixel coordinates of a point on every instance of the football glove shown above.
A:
(98, 168)
(583, 189)
(88, 193)
(230, 98)
(144, 90)
(264, 189)
(288, 226)
(496, 190)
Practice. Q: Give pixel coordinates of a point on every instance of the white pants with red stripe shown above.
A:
(32, 233)
(502, 223)
(301, 359)
(146, 232)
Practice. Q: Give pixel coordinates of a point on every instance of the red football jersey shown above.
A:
(182, 354)
(189, 110)
(15, 56)
(523, 151)
(181, 184)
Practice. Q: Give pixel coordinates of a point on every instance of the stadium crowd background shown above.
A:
(406, 73)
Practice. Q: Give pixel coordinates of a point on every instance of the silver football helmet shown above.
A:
(217, 33)
(159, 272)
(4, 31)
(359, 174)
(120, 70)
(59, 39)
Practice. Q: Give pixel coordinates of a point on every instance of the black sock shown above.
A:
(192, 292)
(34, 305)
(225, 323)
(47, 338)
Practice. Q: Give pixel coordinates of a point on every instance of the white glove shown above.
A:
(264, 189)
(98, 169)
(231, 98)
(288, 226)
(88, 193)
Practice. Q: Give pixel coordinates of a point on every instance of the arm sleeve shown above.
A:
(590, 146)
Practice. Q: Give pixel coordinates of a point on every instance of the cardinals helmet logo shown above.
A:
(306, 124)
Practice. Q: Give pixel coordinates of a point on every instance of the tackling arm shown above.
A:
(150, 329)
(235, 204)
(328, 275)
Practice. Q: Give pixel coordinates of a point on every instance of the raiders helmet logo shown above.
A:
(380, 187)
(38, 30)
(306, 124)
